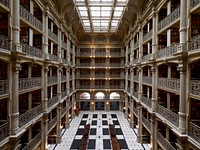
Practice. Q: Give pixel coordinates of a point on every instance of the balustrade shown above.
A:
(53, 57)
(147, 36)
(194, 131)
(168, 114)
(4, 42)
(146, 123)
(175, 14)
(85, 87)
(63, 78)
(25, 14)
(64, 61)
(164, 142)
(135, 94)
(33, 142)
(195, 43)
(146, 57)
(63, 94)
(135, 111)
(29, 115)
(84, 65)
(117, 64)
(146, 101)
(5, 2)
(52, 101)
(63, 111)
(135, 61)
(64, 44)
(167, 51)
(27, 83)
(52, 79)
(169, 83)
(32, 51)
(194, 87)
(193, 3)
(4, 87)
(147, 79)
(100, 75)
(136, 78)
(136, 45)
(52, 35)
(85, 54)
(4, 131)
(100, 54)
(100, 64)
(115, 76)
(117, 54)
(52, 123)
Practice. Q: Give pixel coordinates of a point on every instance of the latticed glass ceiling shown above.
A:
(100, 15)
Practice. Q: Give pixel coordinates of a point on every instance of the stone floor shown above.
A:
(99, 138)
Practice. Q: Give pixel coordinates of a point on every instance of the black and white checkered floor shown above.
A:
(99, 138)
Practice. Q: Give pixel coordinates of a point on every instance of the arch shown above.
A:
(84, 95)
(114, 95)
(85, 38)
(100, 39)
(99, 95)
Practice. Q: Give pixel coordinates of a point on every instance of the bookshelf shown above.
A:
(3, 110)
(162, 41)
(195, 28)
(37, 12)
(162, 14)
(3, 70)
(23, 103)
(174, 35)
(36, 98)
(37, 41)
(4, 24)
(24, 35)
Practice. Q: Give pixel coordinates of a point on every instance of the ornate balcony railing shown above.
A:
(84, 76)
(27, 83)
(52, 79)
(100, 54)
(135, 94)
(100, 75)
(63, 78)
(146, 123)
(52, 101)
(4, 87)
(85, 54)
(64, 61)
(193, 3)
(135, 61)
(84, 65)
(100, 64)
(146, 101)
(52, 35)
(5, 2)
(168, 114)
(194, 131)
(194, 87)
(116, 54)
(195, 43)
(136, 78)
(64, 44)
(53, 57)
(114, 87)
(175, 14)
(117, 64)
(115, 75)
(147, 36)
(29, 115)
(63, 94)
(84, 87)
(4, 131)
(166, 52)
(169, 83)
(136, 45)
(147, 79)
(25, 14)
(32, 51)
(164, 142)
(4, 42)
(146, 57)
(52, 123)
(33, 142)
(135, 111)
(64, 110)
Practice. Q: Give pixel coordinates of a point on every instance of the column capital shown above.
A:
(181, 67)
(45, 68)
(16, 66)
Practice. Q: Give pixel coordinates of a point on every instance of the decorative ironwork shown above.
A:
(175, 14)
(53, 57)
(170, 83)
(136, 78)
(27, 83)
(103, 54)
(33, 142)
(63, 78)
(29, 115)
(135, 111)
(52, 79)
(194, 87)
(63, 94)
(167, 51)
(100, 64)
(135, 61)
(194, 131)
(146, 57)
(146, 123)
(193, 3)
(84, 65)
(52, 35)
(4, 87)
(25, 14)
(136, 45)
(147, 79)
(5, 2)
(52, 123)
(147, 36)
(146, 101)
(63, 111)
(164, 142)
(195, 43)
(135, 94)
(168, 114)
(64, 61)
(117, 54)
(52, 101)
(64, 44)
(32, 51)
(4, 131)
(4, 42)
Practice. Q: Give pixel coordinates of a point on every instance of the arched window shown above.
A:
(114, 95)
(84, 95)
(99, 95)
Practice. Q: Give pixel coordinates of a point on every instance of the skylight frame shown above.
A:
(107, 12)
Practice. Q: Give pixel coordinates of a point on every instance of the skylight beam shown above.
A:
(89, 14)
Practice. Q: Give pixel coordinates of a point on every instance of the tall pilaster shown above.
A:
(58, 129)
(139, 134)
(126, 106)
(67, 114)
(45, 29)
(131, 114)
(73, 105)
(153, 142)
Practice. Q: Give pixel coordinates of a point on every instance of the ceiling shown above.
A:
(101, 20)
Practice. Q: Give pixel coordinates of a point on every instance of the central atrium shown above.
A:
(99, 74)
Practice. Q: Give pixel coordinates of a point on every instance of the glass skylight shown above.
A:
(100, 15)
